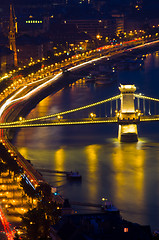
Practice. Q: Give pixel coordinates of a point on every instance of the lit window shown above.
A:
(125, 229)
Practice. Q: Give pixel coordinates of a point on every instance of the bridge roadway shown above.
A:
(62, 122)
(149, 118)
(82, 121)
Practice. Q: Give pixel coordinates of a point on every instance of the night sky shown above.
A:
(152, 3)
(150, 8)
(113, 2)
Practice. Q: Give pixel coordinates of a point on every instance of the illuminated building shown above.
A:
(119, 22)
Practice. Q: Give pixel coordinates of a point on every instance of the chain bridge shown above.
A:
(127, 109)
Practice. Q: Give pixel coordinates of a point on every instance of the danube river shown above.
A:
(125, 173)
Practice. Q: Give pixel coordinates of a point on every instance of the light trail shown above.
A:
(145, 44)
(9, 234)
(11, 100)
(88, 62)
(8, 102)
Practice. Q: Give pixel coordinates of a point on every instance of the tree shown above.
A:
(36, 223)
(44, 189)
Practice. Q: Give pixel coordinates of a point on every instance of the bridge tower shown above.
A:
(128, 117)
(12, 32)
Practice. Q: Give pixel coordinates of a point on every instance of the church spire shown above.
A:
(12, 32)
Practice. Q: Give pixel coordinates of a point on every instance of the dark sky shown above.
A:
(147, 2)
(150, 7)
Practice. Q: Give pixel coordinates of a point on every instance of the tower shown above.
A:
(127, 118)
(12, 32)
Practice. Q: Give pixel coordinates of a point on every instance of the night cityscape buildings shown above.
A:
(43, 26)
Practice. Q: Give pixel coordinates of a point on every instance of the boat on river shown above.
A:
(74, 176)
(108, 206)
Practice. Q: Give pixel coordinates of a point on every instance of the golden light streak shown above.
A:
(129, 172)
(59, 159)
(92, 152)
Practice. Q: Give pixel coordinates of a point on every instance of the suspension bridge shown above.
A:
(127, 109)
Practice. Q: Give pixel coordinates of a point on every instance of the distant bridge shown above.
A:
(127, 109)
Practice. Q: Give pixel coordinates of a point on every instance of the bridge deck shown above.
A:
(149, 118)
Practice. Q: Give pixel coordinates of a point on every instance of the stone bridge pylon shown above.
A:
(128, 117)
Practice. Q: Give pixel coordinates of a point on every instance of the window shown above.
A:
(125, 229)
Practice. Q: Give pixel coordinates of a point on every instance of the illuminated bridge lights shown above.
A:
(149, 119)
(129, 121)
(63, 123)
(144, 97)
(59, 117)
(35, 122)
(63, 113)
(92, 115)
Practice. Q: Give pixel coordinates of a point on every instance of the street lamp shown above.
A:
(98, 36)
(59, 117)
(92, 115)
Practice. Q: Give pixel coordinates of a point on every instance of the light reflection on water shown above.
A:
(125, 173)
(128, 174)
(128, 165)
